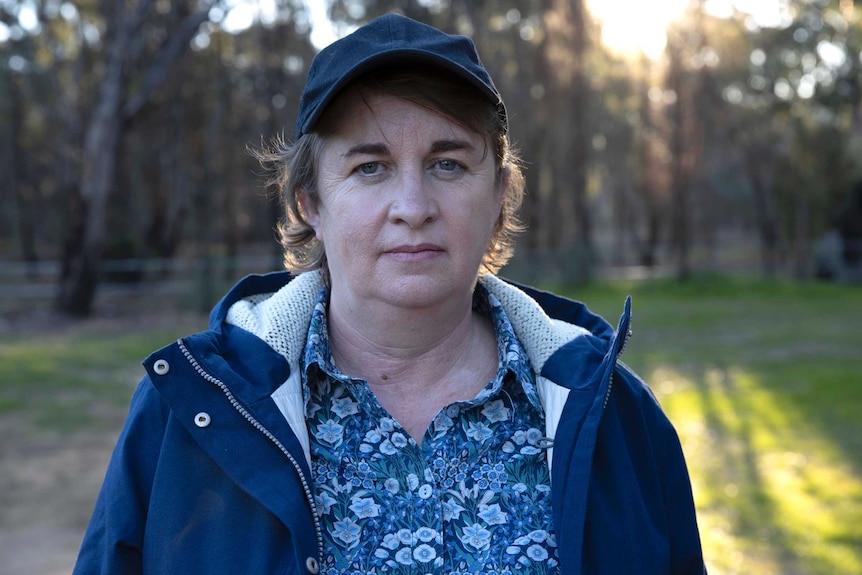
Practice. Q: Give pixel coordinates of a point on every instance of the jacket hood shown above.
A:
(255, 285)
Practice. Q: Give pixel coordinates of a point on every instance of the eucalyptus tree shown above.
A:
(43, 49)
(796, 117)
(134, 116)
(123, 91)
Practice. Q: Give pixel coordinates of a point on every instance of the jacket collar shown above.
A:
(277, 307)
(250, 286)
(566, 342)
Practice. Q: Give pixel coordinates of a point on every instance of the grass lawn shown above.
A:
(72, 379)
(763, 380)
(64, 393)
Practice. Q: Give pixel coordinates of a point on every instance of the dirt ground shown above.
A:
(49, 481)
(48, 486)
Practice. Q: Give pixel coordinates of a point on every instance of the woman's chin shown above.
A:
(424, 291)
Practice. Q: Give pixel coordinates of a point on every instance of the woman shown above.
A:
(395, 407)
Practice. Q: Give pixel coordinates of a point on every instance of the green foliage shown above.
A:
(761, 380)
(76, 379)
(754, 129)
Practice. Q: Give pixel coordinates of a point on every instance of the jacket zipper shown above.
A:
(622, 349)
(268, 434)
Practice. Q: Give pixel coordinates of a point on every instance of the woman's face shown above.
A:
(406, 204)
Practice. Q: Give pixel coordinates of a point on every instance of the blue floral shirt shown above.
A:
(473, 498)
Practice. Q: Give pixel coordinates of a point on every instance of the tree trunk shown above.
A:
(648, 180)
(86, 235)
(679, 180)
(802, 241)
(757, 161)
(82, 252)
(579, 154)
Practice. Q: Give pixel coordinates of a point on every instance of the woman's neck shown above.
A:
(415, 361)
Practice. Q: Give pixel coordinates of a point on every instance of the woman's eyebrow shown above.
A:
(379, 149)
(451, 145)
(366, 150)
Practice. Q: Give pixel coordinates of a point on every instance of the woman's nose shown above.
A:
(414, 203)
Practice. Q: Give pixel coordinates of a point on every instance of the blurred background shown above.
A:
(671, 137)
(705, 155)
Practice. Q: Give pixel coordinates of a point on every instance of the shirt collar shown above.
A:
(512, 355)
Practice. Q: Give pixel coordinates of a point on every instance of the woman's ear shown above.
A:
(503, 183)
(308, 205)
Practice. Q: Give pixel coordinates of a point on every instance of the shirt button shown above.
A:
(161, 367)
(312, 565)
(203, 419)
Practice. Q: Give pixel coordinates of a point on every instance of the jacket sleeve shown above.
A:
(641, 515)
(114, 538)
(686, 555)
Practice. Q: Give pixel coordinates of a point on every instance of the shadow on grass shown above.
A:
(735, 470)
(780, 484)
(762, 380)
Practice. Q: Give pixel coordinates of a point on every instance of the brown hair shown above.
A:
(293, 168)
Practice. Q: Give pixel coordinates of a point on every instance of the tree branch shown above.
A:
(169, 52)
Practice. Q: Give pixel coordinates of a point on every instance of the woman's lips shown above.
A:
(412, 253)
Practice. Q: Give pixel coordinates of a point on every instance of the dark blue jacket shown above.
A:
(208, 475)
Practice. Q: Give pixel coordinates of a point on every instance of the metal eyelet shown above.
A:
(161, 367)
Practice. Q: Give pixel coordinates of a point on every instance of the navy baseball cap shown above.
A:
(386, 40)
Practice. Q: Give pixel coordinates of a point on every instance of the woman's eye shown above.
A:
(368, 168)
(448, 165)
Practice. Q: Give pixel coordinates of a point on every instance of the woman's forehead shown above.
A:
(359, 116)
